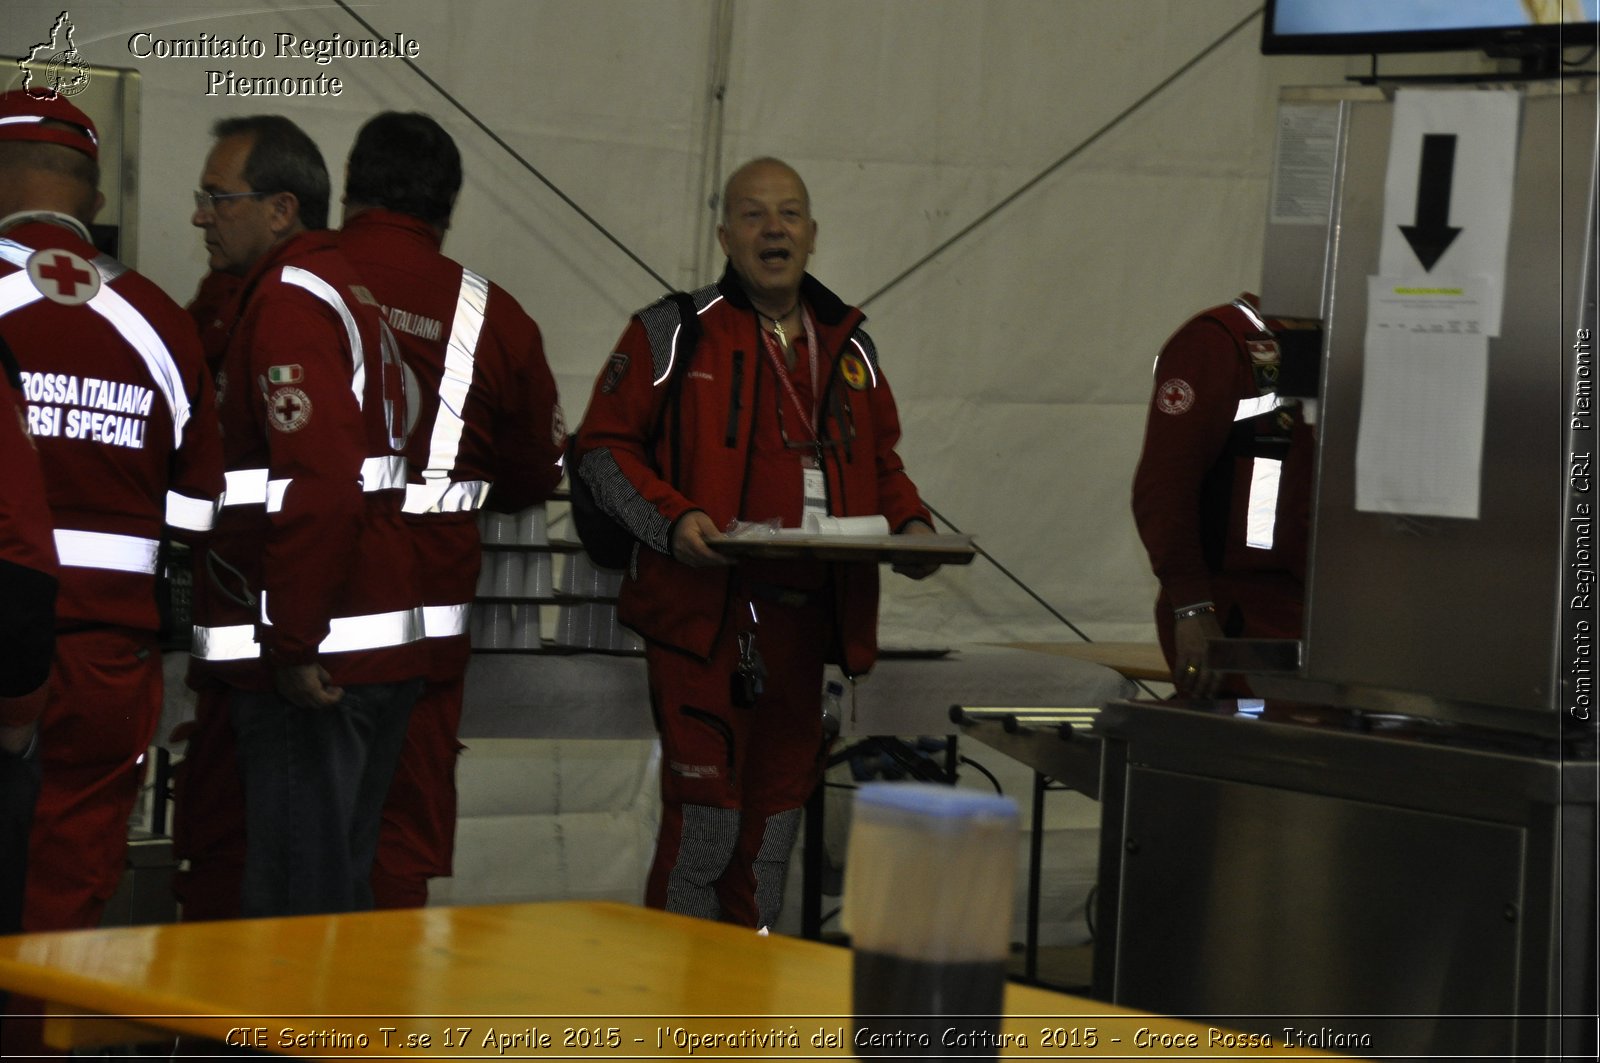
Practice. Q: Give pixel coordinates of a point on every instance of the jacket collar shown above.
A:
(47, 217)
(299, 244)
(829, 309)
(383, 218)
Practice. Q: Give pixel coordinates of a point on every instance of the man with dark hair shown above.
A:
(306, 611)
(284, 159)
(404, 163)
(781, 411)
(120, 407)
(489, 432)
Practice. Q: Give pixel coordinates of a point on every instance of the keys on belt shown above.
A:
(749, 674)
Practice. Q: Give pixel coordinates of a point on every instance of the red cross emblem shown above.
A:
(63, 277)
(291, 409)
(1174, 396)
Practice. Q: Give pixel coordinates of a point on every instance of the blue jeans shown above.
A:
(314, 785)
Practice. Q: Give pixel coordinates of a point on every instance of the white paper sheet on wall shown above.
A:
(1303, 161)
(1423, 395)
(1448, 187)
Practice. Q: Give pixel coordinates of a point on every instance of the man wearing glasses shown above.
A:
(306, 609)
(778, 412)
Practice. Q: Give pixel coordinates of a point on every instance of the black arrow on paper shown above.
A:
(1432, 233)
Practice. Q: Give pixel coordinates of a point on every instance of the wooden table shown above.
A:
(570, 980)
(1136, 660)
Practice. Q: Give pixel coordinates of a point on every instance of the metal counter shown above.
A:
(1421, 885)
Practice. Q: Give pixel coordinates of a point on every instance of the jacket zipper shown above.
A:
(731, 437)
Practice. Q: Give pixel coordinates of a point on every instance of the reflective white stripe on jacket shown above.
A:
(346, 634)
(445, 621)
(437, 494)
(191, 514)
(304, 278)
(251, 487)
(104, 550)
(443, 496)
(1261, 513)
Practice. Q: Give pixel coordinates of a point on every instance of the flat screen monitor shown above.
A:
(1361, 27)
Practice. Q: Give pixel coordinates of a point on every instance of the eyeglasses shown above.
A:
(208, 201)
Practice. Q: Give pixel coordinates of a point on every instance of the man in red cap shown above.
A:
(121, 409)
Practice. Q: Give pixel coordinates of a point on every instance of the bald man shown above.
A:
(757, 398)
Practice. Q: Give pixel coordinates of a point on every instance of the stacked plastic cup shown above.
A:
(929, 875)
(535, 577)
(492, 625)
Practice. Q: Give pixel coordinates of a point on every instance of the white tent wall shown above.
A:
(603, 96)
(1020, 355)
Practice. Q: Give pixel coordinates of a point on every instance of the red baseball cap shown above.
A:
(24, 116)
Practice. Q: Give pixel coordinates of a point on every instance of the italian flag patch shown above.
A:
(285, 374)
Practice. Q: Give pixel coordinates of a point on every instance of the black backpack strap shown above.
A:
(8, 361)
(688, 341)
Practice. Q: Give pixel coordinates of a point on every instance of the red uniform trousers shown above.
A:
(734, 780)
(105, 702)
(103, 707)
(418, 838)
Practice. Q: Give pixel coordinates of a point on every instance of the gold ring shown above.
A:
(1191, 670)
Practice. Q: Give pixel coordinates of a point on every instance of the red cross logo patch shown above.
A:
(289, 409)
(1174, 396)
(63, 277)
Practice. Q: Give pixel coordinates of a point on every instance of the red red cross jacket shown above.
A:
(25, 532)
(310, 560)
(120, 406)
(701, 460)
(488, 428)
(1223, 487)
(210, 312)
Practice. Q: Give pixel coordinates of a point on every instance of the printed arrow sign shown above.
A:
(1432, 234)
(1447, 190)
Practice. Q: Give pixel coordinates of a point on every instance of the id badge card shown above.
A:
(816, 495)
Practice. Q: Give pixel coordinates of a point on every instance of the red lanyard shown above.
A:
(807, 417)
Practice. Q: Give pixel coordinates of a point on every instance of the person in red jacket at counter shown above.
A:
(780, 410)
(1222, 494)
(489, 431)
(307, 612)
